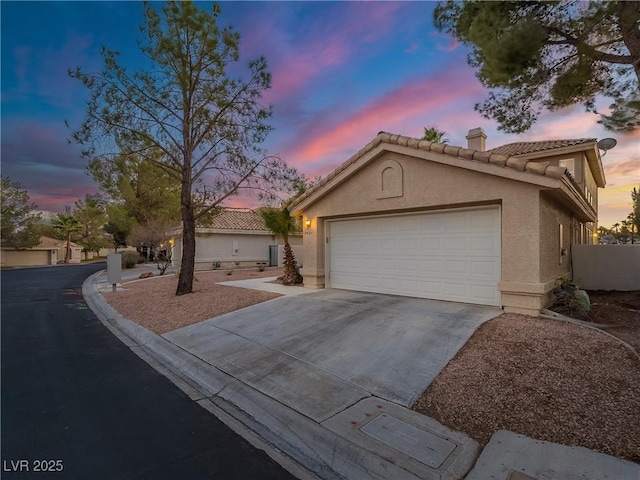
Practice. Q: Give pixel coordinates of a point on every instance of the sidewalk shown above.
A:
(358, 435)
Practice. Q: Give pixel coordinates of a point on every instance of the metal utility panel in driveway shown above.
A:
(415, 442)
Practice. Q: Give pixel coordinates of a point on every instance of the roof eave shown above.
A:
(589, 148)
(595, 163)
(351, 166)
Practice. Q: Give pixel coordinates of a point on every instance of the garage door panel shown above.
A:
(456, 266)
(452, 255)
(483, 220)
(455, 289)
(431, 244)
(431, 266)
(455, 245)
(409, 245)
(482, 293)
(487, 268)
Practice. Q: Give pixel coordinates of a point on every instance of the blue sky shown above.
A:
(342, 72)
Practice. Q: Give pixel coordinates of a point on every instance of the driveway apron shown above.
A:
(321, 352)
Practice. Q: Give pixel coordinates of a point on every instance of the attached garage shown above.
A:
(406, 216)
(446, 255)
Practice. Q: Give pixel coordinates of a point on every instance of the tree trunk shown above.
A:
(187, 264)
(67, 253)
(291, 274)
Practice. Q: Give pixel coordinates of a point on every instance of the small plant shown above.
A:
(130, 259)
(571, 300)
(163, 262)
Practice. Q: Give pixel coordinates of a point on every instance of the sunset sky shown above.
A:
(342, 72)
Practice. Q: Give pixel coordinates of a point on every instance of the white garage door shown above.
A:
(447, 255)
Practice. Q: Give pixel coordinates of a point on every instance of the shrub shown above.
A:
(129, 259)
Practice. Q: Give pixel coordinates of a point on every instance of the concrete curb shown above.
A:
(305, 448)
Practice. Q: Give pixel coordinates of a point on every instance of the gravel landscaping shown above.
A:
(152, 302)
(546, 379)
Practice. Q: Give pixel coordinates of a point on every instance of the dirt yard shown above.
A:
(617, 308)
(547, 379)
(153, 304)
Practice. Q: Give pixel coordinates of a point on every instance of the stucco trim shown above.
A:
(390, 180)
(486, 162)
(529, 288)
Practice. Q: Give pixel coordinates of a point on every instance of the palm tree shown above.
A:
(615, 227)
(281, 224)
(624, 231)
(631, 223)
(67, 225)
(432, 134)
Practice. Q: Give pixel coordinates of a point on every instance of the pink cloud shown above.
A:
(408, 104)
(449, 47)
(298, 60)
(628, 169)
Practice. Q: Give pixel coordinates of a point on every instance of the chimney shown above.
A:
(477, 139)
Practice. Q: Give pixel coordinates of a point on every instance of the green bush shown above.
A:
(129, 259)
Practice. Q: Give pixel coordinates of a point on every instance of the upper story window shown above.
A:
(570, 165)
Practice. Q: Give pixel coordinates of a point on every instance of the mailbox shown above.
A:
(114, 269)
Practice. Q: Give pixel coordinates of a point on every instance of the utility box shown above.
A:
(114, 268)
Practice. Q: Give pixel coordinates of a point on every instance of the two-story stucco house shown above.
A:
(406, 216)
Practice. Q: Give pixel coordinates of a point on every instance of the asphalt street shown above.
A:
(77, 403)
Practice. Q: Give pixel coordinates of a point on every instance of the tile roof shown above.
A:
(46, 243)
(490, 156)
(237, 219)
(521, 148)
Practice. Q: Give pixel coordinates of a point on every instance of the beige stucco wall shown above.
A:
(591, 185)
(582, 173)
(219, 247)
(76, 254)
(431, 186)
(554, 264)
(27, 258)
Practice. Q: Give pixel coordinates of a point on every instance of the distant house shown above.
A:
(49, 251)
(235, 237)
(410, 217)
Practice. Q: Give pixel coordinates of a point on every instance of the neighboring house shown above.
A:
(235, 237)
(49, 251)
(406, 216)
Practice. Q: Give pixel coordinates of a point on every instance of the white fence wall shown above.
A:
(606, 267)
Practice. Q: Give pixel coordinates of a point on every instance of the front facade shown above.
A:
(49, 251)
(236, 237)
(410, 217)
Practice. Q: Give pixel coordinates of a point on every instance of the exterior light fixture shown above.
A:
(308, 223)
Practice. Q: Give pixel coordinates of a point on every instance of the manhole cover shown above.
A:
(423, 446)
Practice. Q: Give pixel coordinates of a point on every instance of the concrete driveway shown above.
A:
(321, 352)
